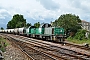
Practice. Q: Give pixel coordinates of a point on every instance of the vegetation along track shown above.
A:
(78, 46)
(50, 50)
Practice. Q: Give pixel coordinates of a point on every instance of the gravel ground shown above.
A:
(13, 53)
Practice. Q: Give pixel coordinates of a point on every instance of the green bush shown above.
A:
(80, 35)
(89, 35)
(3, 44)
(2, 49)
(70, 38)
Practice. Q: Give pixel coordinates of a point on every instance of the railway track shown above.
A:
(58, 49)
(71, 45)
(78, 46)
(33, 54)
(66, 43)
(50, 50)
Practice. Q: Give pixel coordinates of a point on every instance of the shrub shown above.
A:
(80, 35)
(89, 35)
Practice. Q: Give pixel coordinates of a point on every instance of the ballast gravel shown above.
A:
(13, 53)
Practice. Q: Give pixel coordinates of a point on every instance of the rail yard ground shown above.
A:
(13, 53)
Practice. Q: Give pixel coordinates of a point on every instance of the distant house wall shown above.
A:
(85, 25)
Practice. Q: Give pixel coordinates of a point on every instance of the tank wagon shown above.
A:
(11, 31)
(5, 31)
(21, 31)
(0, 31)
(8, 31)
(16, 31)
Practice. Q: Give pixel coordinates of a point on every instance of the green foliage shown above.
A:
(89, 35)
(79, 41)
(2, 28)
(37, 25)
(3, 44)
(16, 22)
(2, 49)
(28, 24)
(70, 38)
(69, 22)
(80, 35)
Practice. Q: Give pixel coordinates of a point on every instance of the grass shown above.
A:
(79, 41)
(3, 44)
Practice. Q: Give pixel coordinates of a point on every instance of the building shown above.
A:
(85, 25)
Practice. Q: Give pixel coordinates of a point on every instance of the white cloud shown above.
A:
(3, 13)
(44, 9)
(49, 4)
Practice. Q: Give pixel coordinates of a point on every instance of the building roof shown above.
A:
(84, 21)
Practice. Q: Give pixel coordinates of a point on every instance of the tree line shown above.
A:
(70, 22)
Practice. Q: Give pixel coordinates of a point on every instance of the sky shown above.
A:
(43, 10)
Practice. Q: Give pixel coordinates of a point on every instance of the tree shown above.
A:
(2, 28)
(69, 22)
(37, 25)
(16, 22)
(55, 23)
(28, 24)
